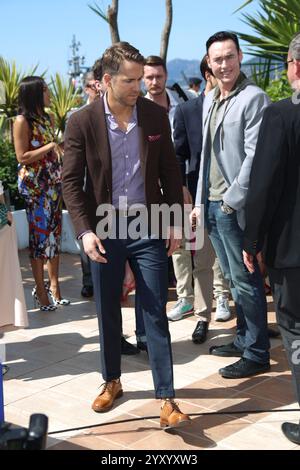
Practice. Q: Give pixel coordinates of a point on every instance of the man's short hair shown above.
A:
(223, 36)
(195, 81)
(88, 77)
(204, 67)
(97, 70)
(156, 61)
(115, 55)
(294, 48)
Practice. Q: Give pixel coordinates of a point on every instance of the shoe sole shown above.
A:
(222, 319)
(196, 341)
(181, 424)
(286, 434)
(183, 315)
(244, 376)
(237, 354)
(108, 408)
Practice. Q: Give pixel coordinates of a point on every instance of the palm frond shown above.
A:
(10, 78)
(63, 98)
(243, 6)
(274, 25)
(96, 9)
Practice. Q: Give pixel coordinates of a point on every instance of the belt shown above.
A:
(125, 213)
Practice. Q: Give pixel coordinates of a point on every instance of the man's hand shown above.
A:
(261, 264)
(187, 198)
(174, 239)
(248, 261)
(195, 218)
(92, 246)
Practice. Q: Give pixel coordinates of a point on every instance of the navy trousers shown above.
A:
(149, 262)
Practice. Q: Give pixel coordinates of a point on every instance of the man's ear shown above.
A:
(208, 61)
(240, 56)
(107, 79)
(297, 67)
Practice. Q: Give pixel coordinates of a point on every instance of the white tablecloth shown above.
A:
(12, 301)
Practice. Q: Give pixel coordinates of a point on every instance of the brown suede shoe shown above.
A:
(104, 401)
(171, 416)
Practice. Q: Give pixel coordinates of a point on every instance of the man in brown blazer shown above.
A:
(124, 143)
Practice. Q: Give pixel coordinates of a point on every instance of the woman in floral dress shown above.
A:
(39, 182)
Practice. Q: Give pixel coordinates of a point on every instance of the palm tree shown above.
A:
(165, 35)
(63, 98)
(111, 17)
(274, 25)
(10, 78)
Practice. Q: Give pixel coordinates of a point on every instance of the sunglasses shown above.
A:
(92, 86)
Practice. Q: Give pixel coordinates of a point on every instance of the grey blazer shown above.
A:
(234, 144)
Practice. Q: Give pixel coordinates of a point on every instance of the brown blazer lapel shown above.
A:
(100, 134)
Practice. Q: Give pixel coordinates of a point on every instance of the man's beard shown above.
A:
(157, 91)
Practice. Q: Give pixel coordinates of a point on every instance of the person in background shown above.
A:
(272, 216)
(194, 86)
(39, 182)
(155, 80)
(92, 89)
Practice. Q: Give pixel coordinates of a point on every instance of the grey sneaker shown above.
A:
(222, 310)
(181, 308)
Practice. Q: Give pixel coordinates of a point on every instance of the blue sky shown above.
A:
(40, 31)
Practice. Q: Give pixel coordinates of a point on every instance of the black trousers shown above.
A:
(285, 284)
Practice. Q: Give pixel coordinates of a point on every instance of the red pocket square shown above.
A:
(154, 138)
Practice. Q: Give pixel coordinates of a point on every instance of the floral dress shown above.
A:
(40, 185)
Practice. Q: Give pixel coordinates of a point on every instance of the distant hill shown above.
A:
(176, 66)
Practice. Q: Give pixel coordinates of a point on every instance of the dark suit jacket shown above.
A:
(187, 135)
(87, 146)
(273, 200)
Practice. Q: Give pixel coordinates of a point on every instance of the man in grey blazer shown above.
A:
(232, 115)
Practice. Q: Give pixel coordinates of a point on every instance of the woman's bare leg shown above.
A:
(37, 265)
(53, 270)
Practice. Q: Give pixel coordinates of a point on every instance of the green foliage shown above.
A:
(274, 25)
(260, 73)
(10, 78)
(63, 99)
(96, 9)
(279, 89)
(9, 172)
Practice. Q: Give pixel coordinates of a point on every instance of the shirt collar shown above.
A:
(241, 80)
(133, 118)
(172, 101)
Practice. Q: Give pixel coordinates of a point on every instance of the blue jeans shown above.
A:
(247, 289)
(149, 262)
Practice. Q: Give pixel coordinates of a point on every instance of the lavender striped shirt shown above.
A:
(127, 178)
